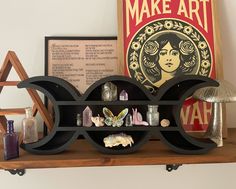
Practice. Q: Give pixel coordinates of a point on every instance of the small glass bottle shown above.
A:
(10, 142)
(29, 127)
(153, 115)
(78, 120)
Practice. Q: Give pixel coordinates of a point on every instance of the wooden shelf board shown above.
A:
(115, 103)
(82, 154)
(12, 111)
(9, 83)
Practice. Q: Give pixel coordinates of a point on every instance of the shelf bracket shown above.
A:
(20, 172)
(172, 167)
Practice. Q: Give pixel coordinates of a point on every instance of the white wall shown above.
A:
(23, 25)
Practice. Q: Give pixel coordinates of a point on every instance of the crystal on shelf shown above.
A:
(87, 115)
(165, 123)
(109, 92)
(78, 120)
(128, 120)
(123, 96)
(118, 139)
(98, 121)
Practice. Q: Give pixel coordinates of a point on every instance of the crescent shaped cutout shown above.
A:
(55, 89)
(180, 89)
(140, 90)
(67, 102)
(140, 138)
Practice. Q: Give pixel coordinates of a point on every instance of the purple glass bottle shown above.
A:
(10, 142)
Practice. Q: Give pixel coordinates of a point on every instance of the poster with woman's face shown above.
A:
(163, 39)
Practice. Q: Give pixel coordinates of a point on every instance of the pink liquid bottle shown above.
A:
(10, 142)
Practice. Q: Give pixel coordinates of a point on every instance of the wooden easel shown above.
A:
(10, 61)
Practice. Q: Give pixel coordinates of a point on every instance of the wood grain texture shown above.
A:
(3, 124)
(12, 111)
(12, 61)
(9, 83)
(120, 39)
(81, 154)
(219, 57)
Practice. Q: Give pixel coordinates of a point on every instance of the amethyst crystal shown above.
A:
(124, 95)
(87, 114)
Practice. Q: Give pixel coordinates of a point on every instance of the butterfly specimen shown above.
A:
(114, 121)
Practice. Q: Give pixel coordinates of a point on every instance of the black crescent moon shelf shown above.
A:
(68, 102)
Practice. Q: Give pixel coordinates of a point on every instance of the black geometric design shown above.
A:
(67, 102)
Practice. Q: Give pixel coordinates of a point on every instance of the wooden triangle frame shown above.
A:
(10, 61)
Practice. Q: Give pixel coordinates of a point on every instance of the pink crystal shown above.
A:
(87, 114)
(123, 95)
(137, 118)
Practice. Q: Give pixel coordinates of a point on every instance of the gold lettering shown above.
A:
(185, 115)
(195, 11)
(133, 12)
(155, 7)
(196, 114)
(204, 2)
(182, 9)
(166, 7)
(206, 112)
(144, 10)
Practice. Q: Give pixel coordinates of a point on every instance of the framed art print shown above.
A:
(163, 39)
(81, 60)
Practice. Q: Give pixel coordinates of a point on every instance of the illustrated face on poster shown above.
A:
(164, 39)
(168, 53)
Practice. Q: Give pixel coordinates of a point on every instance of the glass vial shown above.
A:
(78, 120)
(153, 115)
(29, 127)
(10, 142)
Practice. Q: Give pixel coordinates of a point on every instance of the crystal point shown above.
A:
(87, 114)
(124, 95)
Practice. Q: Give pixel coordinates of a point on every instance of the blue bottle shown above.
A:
(10, 142)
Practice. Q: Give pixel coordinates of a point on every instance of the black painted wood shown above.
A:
(68, 102)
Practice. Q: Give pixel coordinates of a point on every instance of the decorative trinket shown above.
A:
(98, 121)
(87, 114)
(114, 121)
(123, 96)
(29, 127)
(78, 120)
(128, 120)
(137, 118)
(117, 139)
(109, 92)
(153, 115)
(10, 142)
(165, 123)
(225, 93)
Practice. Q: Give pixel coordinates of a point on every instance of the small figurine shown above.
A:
(137, 118)
(123, 96)
(165, 123)
(98, 121)
(114, 121)
(109, 92)
(117, 139)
